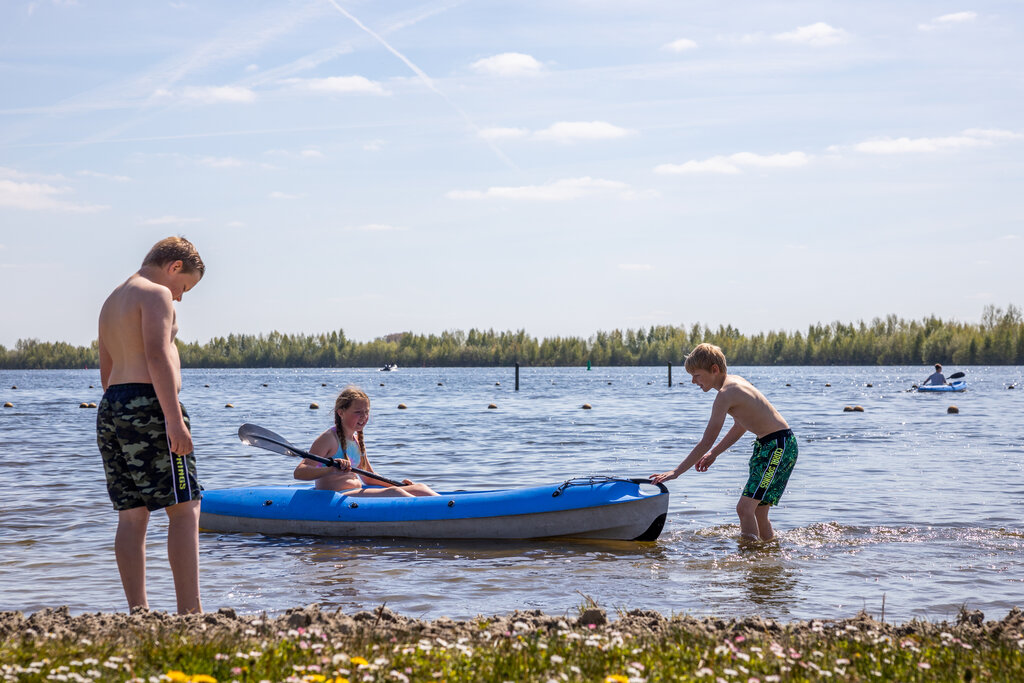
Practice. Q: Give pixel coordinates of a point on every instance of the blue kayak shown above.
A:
(958, 385)
(588, 507)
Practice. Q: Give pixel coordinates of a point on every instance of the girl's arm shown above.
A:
(325, 446)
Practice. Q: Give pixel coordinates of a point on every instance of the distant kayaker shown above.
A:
(936, 378)
(775, 450)
(343, 444)
(142, 430)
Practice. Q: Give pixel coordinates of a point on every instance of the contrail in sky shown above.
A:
(423, 77)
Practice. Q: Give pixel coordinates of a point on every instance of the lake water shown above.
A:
(902, 504)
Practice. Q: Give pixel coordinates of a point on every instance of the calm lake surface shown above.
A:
(902, 503)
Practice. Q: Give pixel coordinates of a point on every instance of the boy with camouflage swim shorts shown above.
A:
(775, 449)
(141, 429)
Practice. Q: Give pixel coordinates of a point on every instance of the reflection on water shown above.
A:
(770, 583)
(880, 504)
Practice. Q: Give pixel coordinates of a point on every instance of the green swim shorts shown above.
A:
(137, 459)
(770, 466)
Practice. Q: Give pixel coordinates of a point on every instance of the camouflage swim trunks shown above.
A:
(770, 466)
(137, 459)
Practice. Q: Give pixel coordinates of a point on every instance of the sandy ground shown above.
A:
(382, 622)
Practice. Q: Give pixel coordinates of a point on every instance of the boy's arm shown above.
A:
(157, 324)
(715, 423)
(730, 438)
(106, 363)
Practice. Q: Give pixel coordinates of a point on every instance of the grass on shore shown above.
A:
(580, 652)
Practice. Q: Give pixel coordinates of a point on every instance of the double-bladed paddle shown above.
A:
(253, 435)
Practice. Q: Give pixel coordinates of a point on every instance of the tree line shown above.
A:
(997, 339)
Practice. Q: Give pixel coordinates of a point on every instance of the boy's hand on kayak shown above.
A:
(663, 477)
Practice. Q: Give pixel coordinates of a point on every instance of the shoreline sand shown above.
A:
(60, 623)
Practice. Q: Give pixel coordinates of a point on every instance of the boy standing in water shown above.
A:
(775, 449)
(141, 428)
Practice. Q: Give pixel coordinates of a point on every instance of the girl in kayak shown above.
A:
(343, 443)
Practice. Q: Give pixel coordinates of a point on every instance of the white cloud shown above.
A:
(373, 145)
(217, 94)
(948, 20)
(681, 45)
(40, 197)
(235, 224)
(508, 64)
(312, 154)
(104, 176)
(220, 162)
(918, 145)
(575, 131)
(502, 133)
(566, 189)
(993, 134)
(170, 220)
(788, 160)
(968, 139)
(815, 35)
(283, 195)
(734, 163)
(375, 227)
(635, 266)
(339, 85)
(12, 173)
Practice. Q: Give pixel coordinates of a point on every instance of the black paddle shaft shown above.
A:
(253, 435)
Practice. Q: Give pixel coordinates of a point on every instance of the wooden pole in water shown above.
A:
(670, 373)
(517, 375)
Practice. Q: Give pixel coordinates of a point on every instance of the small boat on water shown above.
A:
(595, 507)
(388, 367)
(959, 385)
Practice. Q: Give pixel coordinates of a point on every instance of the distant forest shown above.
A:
(998, 339)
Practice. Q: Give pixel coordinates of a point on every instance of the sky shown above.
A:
(557, 166)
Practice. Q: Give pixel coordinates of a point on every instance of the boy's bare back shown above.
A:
(748, 407)
(137, 309)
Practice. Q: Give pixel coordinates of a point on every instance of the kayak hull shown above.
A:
(594, 507)
(942, 388)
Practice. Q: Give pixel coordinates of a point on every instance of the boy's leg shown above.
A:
(764, 527)
(130, 551)
(746, 509)
(183, 554)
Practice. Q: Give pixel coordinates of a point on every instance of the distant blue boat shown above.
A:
(959, 385)
(589, 507)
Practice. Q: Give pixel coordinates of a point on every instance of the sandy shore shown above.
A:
(119, 626)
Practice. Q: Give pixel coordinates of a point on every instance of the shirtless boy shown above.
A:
(141, 428)
(775, 450)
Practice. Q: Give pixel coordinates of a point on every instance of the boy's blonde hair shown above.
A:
(171, 249)
(703, 357)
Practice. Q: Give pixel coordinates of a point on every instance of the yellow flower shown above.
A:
(359, 660)
(202, 678)
(339, 679)
(616, 678)
(177, 676)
